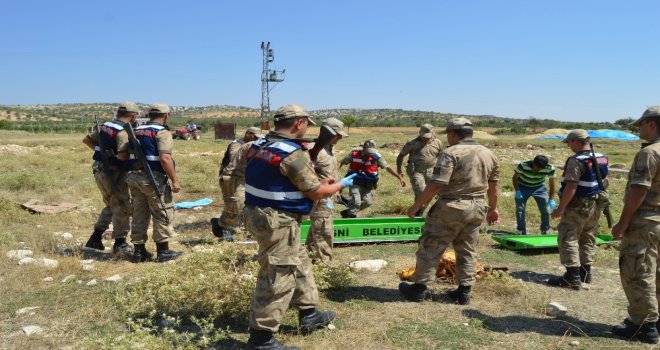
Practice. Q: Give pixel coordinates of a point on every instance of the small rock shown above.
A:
(202, 249)
(556, 309)
(466, 324)
(68, 278)
(79, 282)
(87, 261)
(38, 226)
(48, 279)
(368, 265)
(47, 262)
(332, 327)
(25, 310)
(26, 261)
(66, 236)
(87, 267)
(197, 208)
(91, 283)
(29, 330)
(574, 343)
(113, 278)
(247, 277)
(19, 254)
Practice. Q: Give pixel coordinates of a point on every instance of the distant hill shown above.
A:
(20, 116)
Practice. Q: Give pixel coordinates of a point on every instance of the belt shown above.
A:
(649, 208)
(458, 198)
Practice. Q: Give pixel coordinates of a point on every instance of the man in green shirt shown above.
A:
(529, 181)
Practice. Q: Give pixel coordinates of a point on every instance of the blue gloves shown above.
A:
(552, 204)
(518, 195)
(328, 204)
(347, 181)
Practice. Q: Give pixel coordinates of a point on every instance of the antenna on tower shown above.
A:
(268, 76)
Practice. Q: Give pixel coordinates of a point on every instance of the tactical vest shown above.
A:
(265, 186)
(108, 143)
(146, 134)
(366, 168)
(588, 183)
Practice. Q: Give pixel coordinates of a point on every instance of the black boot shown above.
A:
(585, 273)
(163, 252)
(121, 247)
(312, 319)
(461, 294)
(570, 279)
(413, 292)
(140, 254)
(95, 241)
(264, 340)
(216, 228)
(646, 333)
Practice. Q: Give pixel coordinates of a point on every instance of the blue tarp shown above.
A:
(602, 134)
(199, 203)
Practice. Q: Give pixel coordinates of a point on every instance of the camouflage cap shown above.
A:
(648, 113)
(129, 107)
(577, 134)
(254, 130)
(292, 111)
(336, 125)
(369, 144)
(159, 108)
(426, 131)
(457, 124)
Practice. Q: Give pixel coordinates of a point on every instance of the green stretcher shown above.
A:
(404, 229)
(362, 230)
(524, 242)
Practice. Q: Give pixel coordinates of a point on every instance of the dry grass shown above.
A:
(506, 313)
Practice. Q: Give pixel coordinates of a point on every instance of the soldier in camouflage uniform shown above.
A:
(423, 153)
(233, 190)
(638, 229)
(579, 210)
(156, 142)
(365, 163)
(322, 228)
(111, 141)
(464, 173)
(280, 188)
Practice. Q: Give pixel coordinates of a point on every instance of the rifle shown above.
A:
(136, 147)
(601, 186)
(105, 156)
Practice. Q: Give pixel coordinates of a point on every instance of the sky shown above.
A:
(565, 60)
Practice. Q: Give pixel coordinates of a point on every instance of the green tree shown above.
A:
(626, 124)
(348, 121)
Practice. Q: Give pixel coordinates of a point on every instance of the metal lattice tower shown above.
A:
(268, 76)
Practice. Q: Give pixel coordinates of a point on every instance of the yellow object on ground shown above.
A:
(446, 268)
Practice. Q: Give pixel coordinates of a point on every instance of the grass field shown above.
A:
(201, 299)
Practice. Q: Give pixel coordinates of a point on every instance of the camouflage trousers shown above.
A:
(418, 178)
(320, 236)
(117, 203)
(233, 195)
(638, 265)
(146, 207)
(454, 222)
(577, 232)
(285, 272)
(361, 197)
